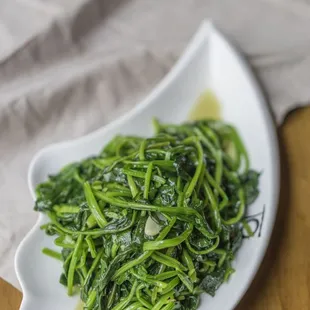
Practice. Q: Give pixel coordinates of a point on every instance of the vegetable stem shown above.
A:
(93, 206)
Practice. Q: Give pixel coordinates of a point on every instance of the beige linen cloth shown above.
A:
(69, 67)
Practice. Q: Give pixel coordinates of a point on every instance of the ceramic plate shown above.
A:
(209, 62)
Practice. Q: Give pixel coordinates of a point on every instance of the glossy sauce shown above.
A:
(207, 106)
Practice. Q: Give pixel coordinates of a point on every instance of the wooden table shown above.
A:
(283, 281)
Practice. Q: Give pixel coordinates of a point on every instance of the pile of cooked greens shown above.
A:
(151, 223)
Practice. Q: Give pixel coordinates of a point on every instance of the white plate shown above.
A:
(208, 62)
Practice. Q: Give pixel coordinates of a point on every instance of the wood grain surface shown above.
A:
(283, 281)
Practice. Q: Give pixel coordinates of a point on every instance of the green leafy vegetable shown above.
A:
(151, 223)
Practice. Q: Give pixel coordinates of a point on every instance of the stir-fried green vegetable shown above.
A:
(151, 223)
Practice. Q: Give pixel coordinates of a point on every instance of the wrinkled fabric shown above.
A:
(69, 67)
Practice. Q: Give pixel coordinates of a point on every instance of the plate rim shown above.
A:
(275, 158)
